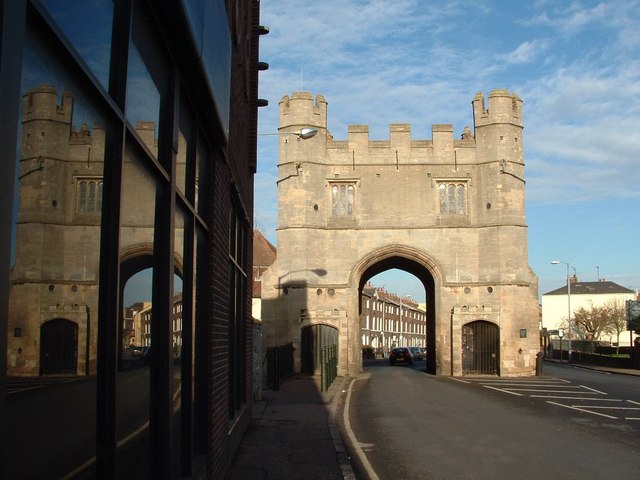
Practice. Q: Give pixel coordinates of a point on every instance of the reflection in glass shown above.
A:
(178, 321)
(146, 81)
(203, 167)
(132, 387)
(186, 134)
(143, 101)
(53, 298)
(198, 354)
(87, 25)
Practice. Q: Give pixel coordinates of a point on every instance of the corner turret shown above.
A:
(504, 107)
(300, 111)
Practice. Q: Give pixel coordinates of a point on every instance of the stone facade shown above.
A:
(451, 212)
(58, 227)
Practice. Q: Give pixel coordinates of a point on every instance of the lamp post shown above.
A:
(556, 262)
(302, 134)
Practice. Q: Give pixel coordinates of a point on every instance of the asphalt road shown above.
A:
(566, 424)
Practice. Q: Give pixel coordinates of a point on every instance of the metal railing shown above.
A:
(279, 364)
(328, 366)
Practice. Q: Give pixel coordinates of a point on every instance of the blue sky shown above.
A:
(575, 64)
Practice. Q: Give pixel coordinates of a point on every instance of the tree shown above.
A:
(596, 320)
(618, 319)
(609, 318)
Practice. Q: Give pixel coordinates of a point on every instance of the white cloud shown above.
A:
(526, 52)
(574, 64)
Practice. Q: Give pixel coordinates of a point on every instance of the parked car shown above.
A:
(416, 353)
(400, 355)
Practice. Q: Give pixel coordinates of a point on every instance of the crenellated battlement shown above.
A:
(504, 107)
(300, 109)
(496, 135)
(41, 103)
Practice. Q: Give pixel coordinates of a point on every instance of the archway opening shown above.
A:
(137, 311)
(391, 330)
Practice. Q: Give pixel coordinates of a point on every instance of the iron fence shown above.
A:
(328, 366)
(279, 364)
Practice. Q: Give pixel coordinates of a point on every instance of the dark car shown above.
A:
(400, 355)
(416, 353)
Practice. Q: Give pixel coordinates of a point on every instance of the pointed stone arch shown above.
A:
(415, 262)
(407, 257)
(136, 258)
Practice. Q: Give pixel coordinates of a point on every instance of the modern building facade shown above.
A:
(449, 211)
(556, 304)
(128, 152)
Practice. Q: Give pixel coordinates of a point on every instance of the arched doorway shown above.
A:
(480, 348)
(313, 339)
(417, 264)
(58, 347)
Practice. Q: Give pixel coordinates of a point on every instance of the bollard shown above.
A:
(539, 359)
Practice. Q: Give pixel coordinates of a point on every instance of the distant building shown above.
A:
(264, 254)
(389, 321)
(133, 324)
(555, 304)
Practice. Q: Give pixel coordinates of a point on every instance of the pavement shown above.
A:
(621, 371)
(294, 435)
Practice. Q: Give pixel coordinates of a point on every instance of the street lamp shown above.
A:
(302, 134)
(556, 262)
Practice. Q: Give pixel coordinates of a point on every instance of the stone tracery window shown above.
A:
(342, 199)
(452, 198)
(89, 199)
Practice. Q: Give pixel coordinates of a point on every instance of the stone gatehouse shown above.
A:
(449, 211)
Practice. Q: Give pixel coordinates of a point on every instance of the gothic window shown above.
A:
(89, 198)
(342, 198)
(452, 198)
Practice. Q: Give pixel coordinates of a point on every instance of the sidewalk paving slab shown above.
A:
(293, 435)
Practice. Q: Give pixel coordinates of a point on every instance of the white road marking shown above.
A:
(560, 389)
(458, 380)
(593, 390)
(581, 410)
(503, 390)
(591, 399)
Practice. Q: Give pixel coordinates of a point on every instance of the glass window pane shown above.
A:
(53, 298)
(204, 170)
(180, 316)
(146, 80)
(87, 25)
(443, 198)
(460, 200)
(186, 164)
(452, 199)
(137, 250)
